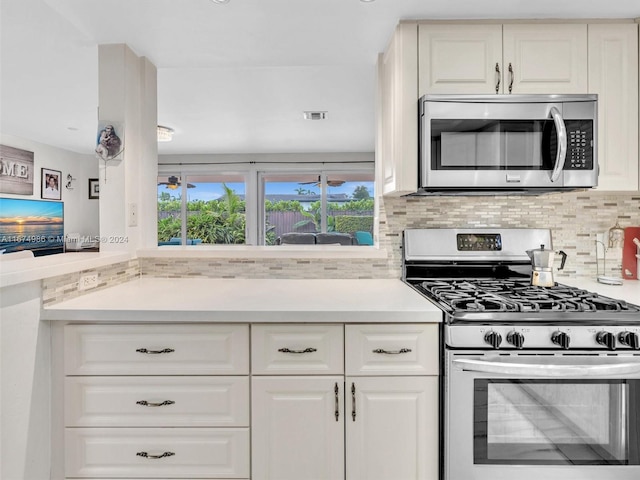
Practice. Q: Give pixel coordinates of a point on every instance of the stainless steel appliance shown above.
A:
(542, 263)
(539, 382)
(507, 143)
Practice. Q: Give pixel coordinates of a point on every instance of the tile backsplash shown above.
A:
(574, 219)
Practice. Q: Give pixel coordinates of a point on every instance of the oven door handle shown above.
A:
(625, 367)
(561, 131)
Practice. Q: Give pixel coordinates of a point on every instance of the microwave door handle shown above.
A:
(561, 153)
(625, 367)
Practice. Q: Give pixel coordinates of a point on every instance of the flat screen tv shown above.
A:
(34, 225)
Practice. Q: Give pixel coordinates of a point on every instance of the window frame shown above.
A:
(253, 173)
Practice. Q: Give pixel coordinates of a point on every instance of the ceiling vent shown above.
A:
(315, 115)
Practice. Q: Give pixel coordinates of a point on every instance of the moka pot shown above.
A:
(542, 262)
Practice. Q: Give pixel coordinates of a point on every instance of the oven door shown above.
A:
(542, 416)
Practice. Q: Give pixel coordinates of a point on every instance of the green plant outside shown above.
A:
(224, 220)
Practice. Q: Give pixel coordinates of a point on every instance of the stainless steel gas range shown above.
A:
(539, 382)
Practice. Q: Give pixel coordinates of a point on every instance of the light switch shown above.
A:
(133, 214)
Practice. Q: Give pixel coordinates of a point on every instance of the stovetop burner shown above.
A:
(515, 295)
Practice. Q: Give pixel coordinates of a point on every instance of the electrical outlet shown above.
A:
(88, 281)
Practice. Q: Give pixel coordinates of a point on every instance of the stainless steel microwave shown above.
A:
(507, 143)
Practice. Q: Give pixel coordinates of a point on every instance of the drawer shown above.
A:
(157, 401)
(183, 452)
(392, 349)
(156, 349)
(297, 349)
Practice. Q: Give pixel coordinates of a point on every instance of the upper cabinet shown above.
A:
(397, 128)
(510, 58)
(613, 75)
(513, 58)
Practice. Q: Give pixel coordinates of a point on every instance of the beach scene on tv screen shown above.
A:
(31, 225)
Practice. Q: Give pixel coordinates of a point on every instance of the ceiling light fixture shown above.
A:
(220, 1)
(165, 134)
(315, 115)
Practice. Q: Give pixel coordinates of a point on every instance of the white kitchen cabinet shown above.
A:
(297, 349)
(392, 396)
(156, 349)
(156, 401)
(194, 413)
(388, 408)
(297, 428)
(509, 58)
(174, 401)
(157, 453)
(392, 428)
(460, 59)
(397, 106)
(613, 75)
(544, 58)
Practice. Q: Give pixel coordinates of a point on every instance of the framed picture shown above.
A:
(94, 188)
(50, 182)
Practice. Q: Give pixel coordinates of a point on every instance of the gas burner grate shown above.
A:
(516, 295)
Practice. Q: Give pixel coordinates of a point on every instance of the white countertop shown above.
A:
(250, 300)
(13, 272)
(628, 291)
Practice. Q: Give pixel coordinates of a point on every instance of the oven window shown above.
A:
(480, 144)
(557, 422)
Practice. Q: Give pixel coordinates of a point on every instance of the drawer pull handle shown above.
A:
(154, 352)
(306, 350)
(144, 403)
(392, 352)
(146, 455)
(336, 391)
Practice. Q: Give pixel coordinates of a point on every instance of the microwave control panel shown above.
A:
(579, 145)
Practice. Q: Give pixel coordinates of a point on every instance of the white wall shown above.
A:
(80, 213)
(25, 356)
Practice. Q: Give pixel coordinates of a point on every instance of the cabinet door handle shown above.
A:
(155, 352)
(144, 403)
(498, 78)
(391, 352)
(163, 455)
(353, 401)
(511, 76)
(336, 391)
(306, 350)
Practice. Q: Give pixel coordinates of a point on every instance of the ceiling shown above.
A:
(232, 78)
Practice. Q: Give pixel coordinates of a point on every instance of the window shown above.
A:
(294, 203)
(260, 206)
(214, 209)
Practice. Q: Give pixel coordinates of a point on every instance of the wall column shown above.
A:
(128, 96)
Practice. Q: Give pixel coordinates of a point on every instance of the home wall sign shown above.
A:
(16, 171)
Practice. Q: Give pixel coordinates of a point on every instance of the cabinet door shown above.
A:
(392, 428)
(545, 58)
(295, 434)
(460, 59)
(397, 110)
(613, 75)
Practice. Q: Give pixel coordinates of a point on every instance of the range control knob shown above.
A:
(516, 339)
(629, 339)
(493, 338)
(561, 339)
(607, 339)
